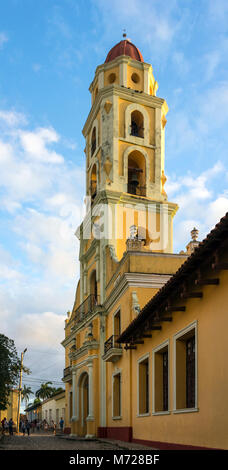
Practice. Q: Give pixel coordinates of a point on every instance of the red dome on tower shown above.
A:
(124, 47)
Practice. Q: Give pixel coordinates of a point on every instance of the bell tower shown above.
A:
(125, 237)
(125, 150)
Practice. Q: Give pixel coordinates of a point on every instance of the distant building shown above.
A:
(34, 412)
(53, 408)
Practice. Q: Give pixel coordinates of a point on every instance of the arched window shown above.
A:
(137, 124)
(93, 141)
(93, 182)
(136, 173)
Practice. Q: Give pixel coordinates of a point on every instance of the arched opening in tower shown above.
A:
(137, 124)
(136, 173)
(93, 141)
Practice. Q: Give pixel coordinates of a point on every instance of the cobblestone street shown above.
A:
(47, 441)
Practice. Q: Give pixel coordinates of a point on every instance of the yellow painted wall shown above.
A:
(11, 410)
(130, 83)
(107, 73)
(208, 426)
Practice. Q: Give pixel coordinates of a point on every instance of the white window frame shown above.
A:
(154, 351)
(187, 329)
(141, 359)
(117, 372)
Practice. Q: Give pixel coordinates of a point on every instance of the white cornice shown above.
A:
(84, 350)
(86, 361)
(151, 281)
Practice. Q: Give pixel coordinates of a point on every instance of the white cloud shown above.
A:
(159, 26)
(198, 204)
(44, 329)
(48, 241)
(196, 128)
(216, 210)
(35, 144)
(3, 39)
(12, 118)
(41, 192)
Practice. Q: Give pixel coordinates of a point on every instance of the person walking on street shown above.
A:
(6, 425)
(3, 423)
(27, 425)
(53, 425)
(23, 427)
(11, 423)
(61, 423)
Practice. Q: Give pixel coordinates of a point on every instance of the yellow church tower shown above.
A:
(126, 247)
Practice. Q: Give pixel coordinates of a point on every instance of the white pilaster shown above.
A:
(69, 407)
(101, 80)
(146, 81)
(90, 416)
(102, 374)
(74, 388)
(85, 279)
(158, 150)
(123, 74)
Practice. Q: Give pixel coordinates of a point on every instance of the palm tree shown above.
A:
(26, 392)
(45, 391)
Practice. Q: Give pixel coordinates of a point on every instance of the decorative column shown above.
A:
(74, 375)
(90, 418)
(90, 367)
(74, 405)
(69, 408)
(146, 79)
(123, 73)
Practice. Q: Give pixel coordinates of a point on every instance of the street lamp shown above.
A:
(20, 388)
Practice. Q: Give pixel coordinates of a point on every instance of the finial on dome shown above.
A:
(124, 33)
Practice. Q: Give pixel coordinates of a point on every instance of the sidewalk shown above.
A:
(116, 443)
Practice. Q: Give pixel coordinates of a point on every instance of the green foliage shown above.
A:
(45, 391)
(9, 369)
(26, 392)
(36, 401)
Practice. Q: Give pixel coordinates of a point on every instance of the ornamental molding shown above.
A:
(151, 281)
(86, 361)
(83, 350)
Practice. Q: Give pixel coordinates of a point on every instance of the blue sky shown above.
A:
(49, 51)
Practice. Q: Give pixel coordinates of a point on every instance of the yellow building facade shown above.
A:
(179, 342)
(12, 407)
(126, 258)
